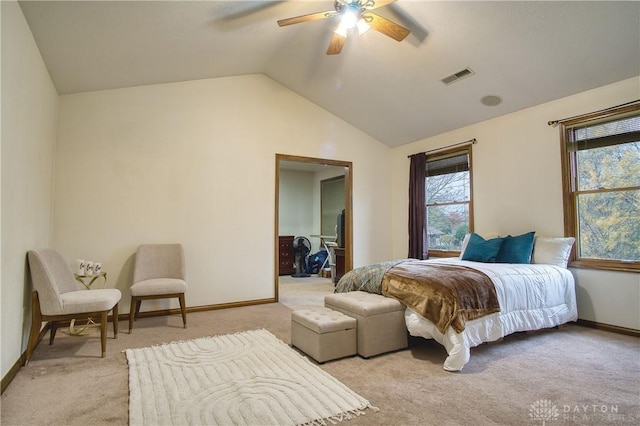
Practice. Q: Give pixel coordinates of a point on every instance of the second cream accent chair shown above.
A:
(159, 273)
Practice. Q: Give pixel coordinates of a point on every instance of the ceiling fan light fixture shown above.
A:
(354, 15)
(363, 27)
(349, 19)
(341, 30)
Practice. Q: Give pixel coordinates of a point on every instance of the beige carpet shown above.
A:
(247, 378)
(574, 368)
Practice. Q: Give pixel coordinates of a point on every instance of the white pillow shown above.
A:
(463, 246)
(552, 251)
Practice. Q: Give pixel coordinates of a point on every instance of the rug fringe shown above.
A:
(346, 415)
(162, 344)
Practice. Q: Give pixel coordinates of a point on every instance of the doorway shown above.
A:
(319, 168)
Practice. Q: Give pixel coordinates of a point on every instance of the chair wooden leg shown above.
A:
(132, 313)
(36, 323)
(183, 310)
(138, 303)
(115, 321)
(52, 334)
(103, 332)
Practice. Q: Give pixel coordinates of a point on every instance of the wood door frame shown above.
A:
(348, 207)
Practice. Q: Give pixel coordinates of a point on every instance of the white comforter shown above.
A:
(531, 297)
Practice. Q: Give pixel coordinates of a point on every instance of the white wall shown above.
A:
(517, 183)
(29, 107)
(194, 162)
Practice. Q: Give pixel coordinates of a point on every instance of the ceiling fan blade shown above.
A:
(335, 45)
(381, 3)
(307, 18)
(386, 27)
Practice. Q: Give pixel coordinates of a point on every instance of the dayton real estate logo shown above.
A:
(544, 410)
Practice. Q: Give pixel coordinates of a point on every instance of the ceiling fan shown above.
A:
(355, 15)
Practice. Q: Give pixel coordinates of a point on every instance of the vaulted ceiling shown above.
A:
(524, 52)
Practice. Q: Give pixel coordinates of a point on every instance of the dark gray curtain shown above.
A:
(417, 208)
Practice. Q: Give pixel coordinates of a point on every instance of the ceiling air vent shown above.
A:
(457, 76)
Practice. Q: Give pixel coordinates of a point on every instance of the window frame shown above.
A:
(467, 149)
(570, 195)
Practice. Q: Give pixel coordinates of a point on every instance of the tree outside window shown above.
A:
(448, 200)
(601, 166)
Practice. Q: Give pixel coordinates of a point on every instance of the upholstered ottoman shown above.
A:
(323, 334)
(381, 326)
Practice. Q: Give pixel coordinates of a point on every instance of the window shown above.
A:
(601, 171)
(448, 200)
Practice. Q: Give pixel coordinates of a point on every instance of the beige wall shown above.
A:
(29, 105)
(517, 188)
(194, 162)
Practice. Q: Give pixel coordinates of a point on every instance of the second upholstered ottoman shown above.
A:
(381, 326)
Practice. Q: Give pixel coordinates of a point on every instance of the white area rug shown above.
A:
(248, 378)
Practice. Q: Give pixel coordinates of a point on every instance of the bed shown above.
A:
(528, 296)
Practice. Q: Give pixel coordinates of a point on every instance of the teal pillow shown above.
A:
(516, 249)
(481, 250)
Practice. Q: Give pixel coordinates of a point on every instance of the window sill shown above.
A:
(443, 253)
(606, 265)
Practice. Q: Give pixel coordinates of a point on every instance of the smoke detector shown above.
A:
(491, 100)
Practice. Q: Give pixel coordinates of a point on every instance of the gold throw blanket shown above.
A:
(447, 295)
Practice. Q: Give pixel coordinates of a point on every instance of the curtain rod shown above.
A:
(469, 142)
(554, 123)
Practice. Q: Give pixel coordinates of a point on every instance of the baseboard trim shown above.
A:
(609, 327)
(11, 374)
(202, 308)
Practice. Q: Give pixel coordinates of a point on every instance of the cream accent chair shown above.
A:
(57, 297)
(159, 273)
